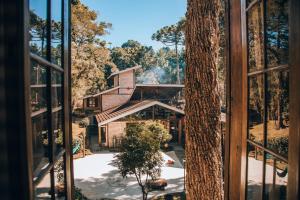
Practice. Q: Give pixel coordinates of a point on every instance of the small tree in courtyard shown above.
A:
(158, 131)
(140, 155)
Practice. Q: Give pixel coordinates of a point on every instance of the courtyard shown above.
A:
(97, 179)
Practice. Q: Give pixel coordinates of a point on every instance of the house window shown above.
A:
(91, 102)
(47, 38)
(268, 99)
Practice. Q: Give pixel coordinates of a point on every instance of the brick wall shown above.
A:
(111, 101)
(115, 129)
(126, 80)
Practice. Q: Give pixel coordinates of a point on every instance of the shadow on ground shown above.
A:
(112, 187)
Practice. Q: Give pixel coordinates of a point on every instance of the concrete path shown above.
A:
(98, 179)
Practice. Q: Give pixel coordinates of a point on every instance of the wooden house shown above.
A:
(130, 102)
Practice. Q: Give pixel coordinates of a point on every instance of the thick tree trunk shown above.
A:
(177, 64)
(203, 135)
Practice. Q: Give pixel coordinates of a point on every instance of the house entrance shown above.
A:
(102, 139)
(174, 131)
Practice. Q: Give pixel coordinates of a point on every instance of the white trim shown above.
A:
(105, 91)
(125, 70)
(151, 103)
(161, 85)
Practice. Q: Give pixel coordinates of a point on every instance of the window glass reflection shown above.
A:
(254, 173)
(40, 142)
(38, 27)
(278, 113)
(277, 32)
(58, 132)
(255, 38)
(275, 179)
(59, 177)
(56, 31)
(38, 87)
(56, 89)
(43, 189)
(256, 109)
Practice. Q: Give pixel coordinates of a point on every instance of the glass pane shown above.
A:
(254, 173)
(40, 142)
(256, 109)
(278, 112)
(59, 177)
(43, 189)
(255, 38)
(277, 32)
(56, 89)
(58, 132)
(276, 178)
(38, 27)
(38, 87)
(56, 31)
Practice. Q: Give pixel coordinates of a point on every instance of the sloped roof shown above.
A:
(128, 109)
(125, 70)
(103, 92)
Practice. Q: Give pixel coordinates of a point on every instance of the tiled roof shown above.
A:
(128, 109)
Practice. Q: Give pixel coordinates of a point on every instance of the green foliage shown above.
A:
(280, 144)
(132, 53)
(90, 56)
(59, 140)
(158, 131)
(59, 169)
(78, 195)
(166, 58)
(171, 35)
(140, 155)
(93, 62)
(37, 33)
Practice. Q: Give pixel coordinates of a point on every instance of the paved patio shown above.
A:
(98, 179)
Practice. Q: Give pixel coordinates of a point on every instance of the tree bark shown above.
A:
(177, 63)
(203, 135)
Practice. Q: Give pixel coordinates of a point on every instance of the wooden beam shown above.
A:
(235, 177)
(294, 136)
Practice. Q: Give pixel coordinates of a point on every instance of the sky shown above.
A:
(137, 19)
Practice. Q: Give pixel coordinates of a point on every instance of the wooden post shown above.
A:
(153, 111)
(99, 135)
(83, 144)
(179, 131)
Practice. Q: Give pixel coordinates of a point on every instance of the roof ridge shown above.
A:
(117, 114)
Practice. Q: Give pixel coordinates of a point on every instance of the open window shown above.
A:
(262, 79)
(49, 71)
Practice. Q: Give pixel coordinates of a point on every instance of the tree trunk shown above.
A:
(145, 193)
(203, 135)
(280, 104)
(177, 64)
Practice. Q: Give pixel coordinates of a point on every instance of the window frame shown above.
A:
(65, 73)
(236, 128)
